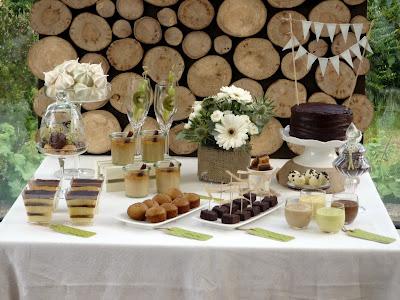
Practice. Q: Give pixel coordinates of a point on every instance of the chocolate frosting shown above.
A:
(29, 194)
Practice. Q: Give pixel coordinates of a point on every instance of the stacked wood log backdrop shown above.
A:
(209, 43)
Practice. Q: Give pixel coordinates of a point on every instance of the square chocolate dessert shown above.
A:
(208, 215)
(272, 200)
(263, 205)
(220, 210)
(242, 203)
(250, 196)
(254, 211)
(234, 207)
(230, 219)
(244, 215)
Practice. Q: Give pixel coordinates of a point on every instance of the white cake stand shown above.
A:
(317, 155)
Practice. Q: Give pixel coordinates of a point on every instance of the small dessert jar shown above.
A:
(351, 205)
(331, 219)
(153, 145)
(298, 214)
(39, 205)
(168, 175)
(123, 148)
(82, 206)
(137, 178)
(316, 198)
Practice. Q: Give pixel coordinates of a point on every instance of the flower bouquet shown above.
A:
(222, 125)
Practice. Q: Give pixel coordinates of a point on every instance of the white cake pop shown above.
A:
(292, 175)
(309, 173)
(299, 180)
(314, 180)
(323, 178)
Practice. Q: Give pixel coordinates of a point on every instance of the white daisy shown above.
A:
(192, 116)
(231, 133)
(188, 125)
(217, 116)
(227, 112)
(253, 129)
(235, 93)
(197, 107)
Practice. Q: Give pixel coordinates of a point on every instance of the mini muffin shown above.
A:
(174, 193)
(171, 209)
(162, 198)
(182, 204)
(156, 214)
(194, 199)
(137, 211)
(150, 203)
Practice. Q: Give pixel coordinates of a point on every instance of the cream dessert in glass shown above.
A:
(298, 215)
(153, 145)
(168, 175)
(137, 178)
(331, 219)
(123, 147)
(39, 205)
(316, 199)
(82, 206)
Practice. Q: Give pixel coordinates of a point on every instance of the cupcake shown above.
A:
(137, 211)
(156, 214)
(194, 199)
(171, 209)
(182, 204)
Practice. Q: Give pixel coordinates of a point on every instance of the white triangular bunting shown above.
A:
(311, 58)
(331, 30)
(318, 28)
(300, 52)
(347, 57)
(357, 28)
(306, 28)
(364, 43)
(335, 63)
(344, 28)
(355, 49)
(323, 62)
(293, 42)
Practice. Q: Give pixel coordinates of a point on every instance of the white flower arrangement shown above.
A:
(227, 120)
(81, 81)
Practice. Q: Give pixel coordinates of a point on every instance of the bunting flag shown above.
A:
(364, 43)
(347, 57)
(355, 49)
(323, 62)
(335, 63)
(344, 28)
(357, 28)
(331, 30)
(292, 43)
(318, 29)
(300, 52)
(331, 27)
(311, 58)
(306, 28)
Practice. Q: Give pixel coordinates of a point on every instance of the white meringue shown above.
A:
(82, 92)
(50, 77)
(51, 91)
(96, 69)
(64, 81)
(83, 75)
(69, 65)
(100, 81)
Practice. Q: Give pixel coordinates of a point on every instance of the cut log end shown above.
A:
(180, 147)
(269, 140)
(222, 44)
(196, 44)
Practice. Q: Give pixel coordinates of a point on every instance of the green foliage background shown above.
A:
(18, 157)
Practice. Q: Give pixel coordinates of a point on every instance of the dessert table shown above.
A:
(125, 262)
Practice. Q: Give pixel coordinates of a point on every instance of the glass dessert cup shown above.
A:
(123, 148)
(39, 205)
(153, 145)
(137, 179)
(168, 175)
(165, 108)
(315, 198)
(298, 214)
(351, 205)
(82, 206)
(260, 181)
(330, 219)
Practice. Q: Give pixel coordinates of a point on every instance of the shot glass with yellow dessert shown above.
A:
(39, 205)
(315, 198)
(153, 145)
(331, 219)
(298, 214)
(82, 206)
(123, 147)
(168, 175)
(137, 180)
(51, 185)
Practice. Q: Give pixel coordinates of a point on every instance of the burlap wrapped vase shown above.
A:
(212, 163)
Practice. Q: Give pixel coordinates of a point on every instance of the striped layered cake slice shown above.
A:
(39, 205)
(44, 184)
(78, 184)
(81, 206)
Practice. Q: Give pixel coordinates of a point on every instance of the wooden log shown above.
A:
(94, 105)
(147, 30)
(122, 87)
(41, 102)
(330, 11)
(90, 32)
(149, 124)
(122, 29)
(363, 110)
(196, 14)
(283, 94)
(285, 3)
(95, 58)
(338, 86)
(130, 9)
(79, 4)
(296, 149)
(50, 17)
(278, 28)
(162, 2)
(196, 44)
(241, 18)
(124, 54)
(361, 20)
(207, 75)
(167, 17)
(173, 36)
(361, 68)
(184, 103)
(318, 48)
(47, 53)
(321, 98)
(180, 147)
(288, 69)
(256, 58)
(269, 140)
(339, 45)
(99, 124)
(160, 60)
(222, 44)
(105, 8)
(254, 87)
(353, 2)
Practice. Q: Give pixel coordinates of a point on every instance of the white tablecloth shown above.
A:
(123, 262)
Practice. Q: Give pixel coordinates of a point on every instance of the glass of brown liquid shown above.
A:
(350, 202)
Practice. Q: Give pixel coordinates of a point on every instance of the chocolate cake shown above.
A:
(320, 121)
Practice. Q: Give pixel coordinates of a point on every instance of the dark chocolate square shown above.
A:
(234, 207)
(263, 205)
(242, 203)
(230, 219)
(220, 210)
(254, 211)
(250, 196)
(244, 215)
(272, 200)
(208, 215)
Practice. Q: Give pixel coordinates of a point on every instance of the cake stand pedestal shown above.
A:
(317, 155)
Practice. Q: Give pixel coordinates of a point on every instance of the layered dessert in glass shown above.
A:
(79, 184)
(82, 206)
(168, 175)
(39, 205)
(44, 184)
(153, 145)
(137, 180)
(123, 147)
